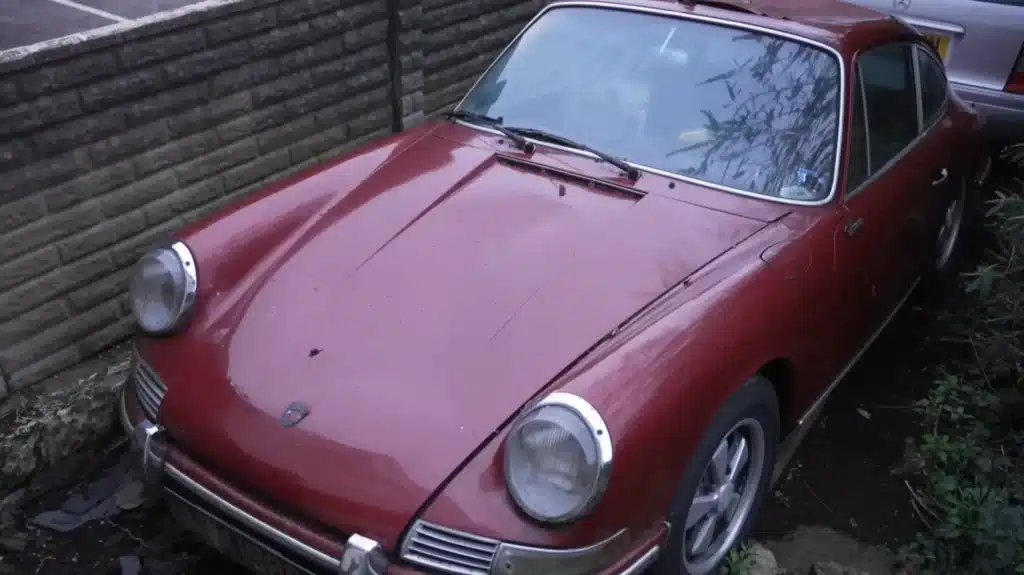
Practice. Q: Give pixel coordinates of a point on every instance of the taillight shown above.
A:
(1016, 82)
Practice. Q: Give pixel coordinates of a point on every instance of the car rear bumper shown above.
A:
(1003, 111)
(266, 540)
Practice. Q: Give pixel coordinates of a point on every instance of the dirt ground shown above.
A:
(849, 472)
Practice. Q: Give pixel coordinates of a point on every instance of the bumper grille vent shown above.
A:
(149, 388)
(449, 550)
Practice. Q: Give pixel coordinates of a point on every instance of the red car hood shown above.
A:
(414, 313)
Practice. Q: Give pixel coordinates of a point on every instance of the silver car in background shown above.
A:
(980, 42)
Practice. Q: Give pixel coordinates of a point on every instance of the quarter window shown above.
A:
(890, 97)
(933, 86)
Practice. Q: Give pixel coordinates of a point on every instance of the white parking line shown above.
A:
(91, 10)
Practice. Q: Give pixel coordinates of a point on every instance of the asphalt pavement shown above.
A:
(24, 22)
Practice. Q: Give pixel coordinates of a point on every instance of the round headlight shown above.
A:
(163, 288)
(558, 459)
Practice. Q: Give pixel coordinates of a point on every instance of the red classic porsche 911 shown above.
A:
(565, 328)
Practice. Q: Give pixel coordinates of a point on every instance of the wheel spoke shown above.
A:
(703, 536)
(734, 503)
(699, 509)
(737, 458)
(720, 464)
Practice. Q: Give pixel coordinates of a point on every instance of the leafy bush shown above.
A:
(971, 492)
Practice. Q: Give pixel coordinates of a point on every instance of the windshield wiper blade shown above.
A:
(496, 123)
(538, 134)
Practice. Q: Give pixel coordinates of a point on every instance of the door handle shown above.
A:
(943, 175)
(853, 227)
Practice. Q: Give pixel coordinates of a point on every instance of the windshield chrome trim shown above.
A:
(840, 121)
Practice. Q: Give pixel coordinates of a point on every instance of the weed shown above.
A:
(971, 492)
(739, 561)
(782, 498)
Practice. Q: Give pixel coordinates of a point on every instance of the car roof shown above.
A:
(837, 24)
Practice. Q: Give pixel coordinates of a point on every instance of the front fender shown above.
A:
(657, 384)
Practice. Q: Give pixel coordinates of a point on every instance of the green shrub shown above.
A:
(971, 492)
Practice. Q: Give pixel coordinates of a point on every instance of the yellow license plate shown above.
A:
(941, 44)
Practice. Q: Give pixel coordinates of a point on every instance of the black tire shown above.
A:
(755, 400)
(943, 279)
(985, 166)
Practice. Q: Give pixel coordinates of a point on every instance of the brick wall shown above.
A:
(113, 138)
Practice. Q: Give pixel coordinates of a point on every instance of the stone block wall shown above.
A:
(461, 38)
(113, 138)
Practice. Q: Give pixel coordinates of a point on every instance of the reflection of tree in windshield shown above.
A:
(776, 124)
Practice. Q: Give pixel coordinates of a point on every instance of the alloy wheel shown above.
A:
(725, 496)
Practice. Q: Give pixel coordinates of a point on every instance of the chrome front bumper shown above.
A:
(361, 555)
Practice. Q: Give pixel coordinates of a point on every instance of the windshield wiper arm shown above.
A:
(538, 134)
(496, 123)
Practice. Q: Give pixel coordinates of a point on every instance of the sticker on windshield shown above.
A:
(807, 178)
(807, 187)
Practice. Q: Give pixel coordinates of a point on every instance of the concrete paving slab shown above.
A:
(133, 9)
(813, 544)
(24, 22)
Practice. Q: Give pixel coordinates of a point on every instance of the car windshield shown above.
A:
(751, 111)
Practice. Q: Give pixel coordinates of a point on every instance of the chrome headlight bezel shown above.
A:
(598, 434)
(179, 263)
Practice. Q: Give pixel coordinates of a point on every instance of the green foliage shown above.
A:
(975, 499)
(971, 492)
(739, 561)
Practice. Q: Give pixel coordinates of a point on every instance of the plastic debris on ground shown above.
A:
(116, 489)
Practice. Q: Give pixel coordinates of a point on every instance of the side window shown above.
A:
(890, 95)
(933, 86)
(859, 169)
